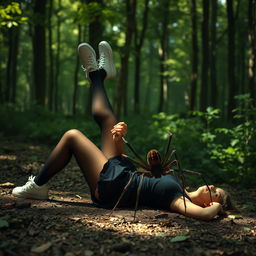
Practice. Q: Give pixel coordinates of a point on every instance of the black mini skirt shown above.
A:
(113, 178)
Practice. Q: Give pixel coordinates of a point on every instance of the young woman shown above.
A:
(107, 170)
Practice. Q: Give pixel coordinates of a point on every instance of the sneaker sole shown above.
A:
(88, 46)
(30, 196)
(108, 52)
(80, 53)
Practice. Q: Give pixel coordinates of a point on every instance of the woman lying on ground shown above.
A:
(107, 170)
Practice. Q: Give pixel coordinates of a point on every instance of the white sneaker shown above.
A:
(106, 59)
(88, 58)
(31, 190)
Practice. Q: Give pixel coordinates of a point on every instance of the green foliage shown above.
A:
(234, 149)
(42, 125)
(11, 15)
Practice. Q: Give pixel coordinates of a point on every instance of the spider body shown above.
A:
(154, 163)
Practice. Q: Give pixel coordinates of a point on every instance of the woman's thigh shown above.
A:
(88, 156)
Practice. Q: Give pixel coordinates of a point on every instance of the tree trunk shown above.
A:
(39, 52)
(11, 71)
(252, 47)
(121, 100)
(138, 45)
(194, 75)
(95, 34)
(205, 57)
(76, 74)
(57, 59)
(164, 40)
(51, 58)
(213, 79)
(95, 26)
(232, 88)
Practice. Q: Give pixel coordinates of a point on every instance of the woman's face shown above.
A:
(204, 194)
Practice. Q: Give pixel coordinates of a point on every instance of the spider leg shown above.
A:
(166, 155)
(142, 165)
(203, 178)
(123, 192)
(181, 172)
(138, 195)
(169, 164)
(134, 152)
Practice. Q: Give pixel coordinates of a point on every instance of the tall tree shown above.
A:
(163, 54)
(11, 70)
(232, 88)
(121, 100)
(51, 57)
(57, 57)
(252, 47)
(194, 74)
(95, 25)
(74, 107)
(95, 31)
(39, 51)
(213, 78)
(205, 56)
(139, 39)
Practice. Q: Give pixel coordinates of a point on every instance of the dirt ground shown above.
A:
(69, 224)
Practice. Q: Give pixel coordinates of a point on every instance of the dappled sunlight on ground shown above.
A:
(70, 224)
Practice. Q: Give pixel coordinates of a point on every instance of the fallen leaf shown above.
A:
(160, 234)
(4, 224)
(7, 185)
(235, 216)
(41, 248)
(179, 239)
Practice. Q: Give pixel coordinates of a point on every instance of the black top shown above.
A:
(155, 192)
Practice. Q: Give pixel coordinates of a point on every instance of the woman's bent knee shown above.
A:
(72, 134)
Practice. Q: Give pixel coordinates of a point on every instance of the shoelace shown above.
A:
(102, 60)
(90, 63)
(29, 183)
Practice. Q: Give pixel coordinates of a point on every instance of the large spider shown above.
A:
(156, 167)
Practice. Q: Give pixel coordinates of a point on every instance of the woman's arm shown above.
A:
(195, 211)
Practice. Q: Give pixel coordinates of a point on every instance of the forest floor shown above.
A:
(69, 224)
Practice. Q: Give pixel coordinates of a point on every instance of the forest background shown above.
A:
(184, 66)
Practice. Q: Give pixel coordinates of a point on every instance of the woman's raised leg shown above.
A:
(101, 107)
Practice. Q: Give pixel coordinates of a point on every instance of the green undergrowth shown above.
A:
(223, 152)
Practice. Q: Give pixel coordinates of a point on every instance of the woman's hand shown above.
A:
(218, 207)
(119, 130)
